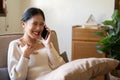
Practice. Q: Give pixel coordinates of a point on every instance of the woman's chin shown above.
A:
(36, 37)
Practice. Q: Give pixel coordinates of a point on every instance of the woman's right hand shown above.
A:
(46, 42)
(27, 50)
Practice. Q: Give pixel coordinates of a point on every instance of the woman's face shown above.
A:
(34, 26)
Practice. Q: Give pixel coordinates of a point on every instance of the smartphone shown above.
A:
(44, 33)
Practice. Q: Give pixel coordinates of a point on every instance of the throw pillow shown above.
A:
(83, 69)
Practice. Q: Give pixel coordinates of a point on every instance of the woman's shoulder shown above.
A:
(14, 42)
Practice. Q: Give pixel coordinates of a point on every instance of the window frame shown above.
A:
(2, 8)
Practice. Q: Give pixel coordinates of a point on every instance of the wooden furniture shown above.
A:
(84, 42)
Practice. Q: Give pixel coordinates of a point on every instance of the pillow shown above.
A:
(64, 56)
(83, 69)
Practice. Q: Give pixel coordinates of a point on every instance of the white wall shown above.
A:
(61, 15)
(25, 4)
(2, 24)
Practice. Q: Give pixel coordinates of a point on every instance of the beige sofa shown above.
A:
(4, 42)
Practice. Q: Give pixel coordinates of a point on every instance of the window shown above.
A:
(2, 8)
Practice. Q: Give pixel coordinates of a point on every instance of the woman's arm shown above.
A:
(55, 59)
(17, 64)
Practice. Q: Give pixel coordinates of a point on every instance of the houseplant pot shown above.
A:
(110, 44)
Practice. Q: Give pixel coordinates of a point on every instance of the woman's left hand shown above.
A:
(46, 41)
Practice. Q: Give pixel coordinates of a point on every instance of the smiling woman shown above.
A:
(2, 8)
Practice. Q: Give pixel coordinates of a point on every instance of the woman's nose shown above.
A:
(38, 27)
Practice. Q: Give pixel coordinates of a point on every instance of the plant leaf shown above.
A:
(101, 34)
(108, 22)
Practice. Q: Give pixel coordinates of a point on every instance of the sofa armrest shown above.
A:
(4, 74)
(64, 56)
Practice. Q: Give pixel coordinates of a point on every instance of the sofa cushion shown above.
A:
(4, 42)
(64, 56)
(83, 69)
(4, 74)
(54, 40)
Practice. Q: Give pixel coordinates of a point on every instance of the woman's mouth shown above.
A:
(36, 33)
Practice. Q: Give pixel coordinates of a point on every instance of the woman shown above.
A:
(32, 56)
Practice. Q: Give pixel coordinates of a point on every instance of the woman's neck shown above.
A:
(27, 39)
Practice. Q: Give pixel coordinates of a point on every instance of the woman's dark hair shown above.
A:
(30, 12)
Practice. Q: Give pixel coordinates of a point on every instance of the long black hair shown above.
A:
(30, 12)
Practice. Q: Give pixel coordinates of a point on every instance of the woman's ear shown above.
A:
(23, 24)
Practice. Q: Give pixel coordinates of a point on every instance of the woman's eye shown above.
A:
(42, 24)
(35, 24)
(38, 24)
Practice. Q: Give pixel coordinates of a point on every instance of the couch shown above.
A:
(91, 66)
(4, 42)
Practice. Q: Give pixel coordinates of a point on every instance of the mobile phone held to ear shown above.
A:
(44, 33)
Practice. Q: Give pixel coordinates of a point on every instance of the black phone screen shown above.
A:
(44, 33)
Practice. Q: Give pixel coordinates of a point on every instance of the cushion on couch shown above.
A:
(83, 69)
(4, 42)
(64, 56)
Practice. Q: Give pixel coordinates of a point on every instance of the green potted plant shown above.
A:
(110, 44)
